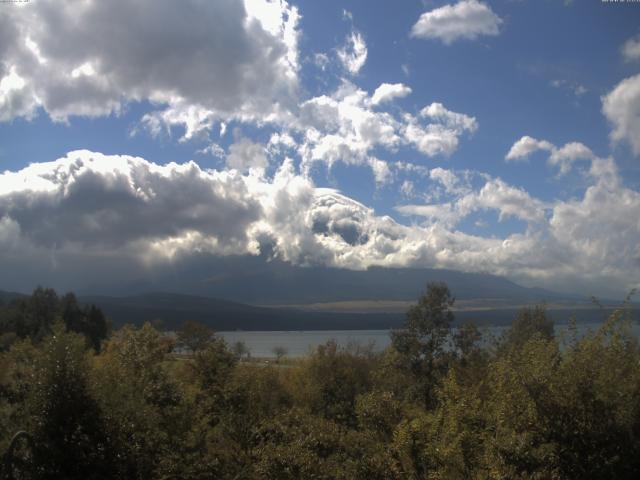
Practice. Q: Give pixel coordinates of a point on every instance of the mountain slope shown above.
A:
(173, 309)
(6, 297)
(255, 280)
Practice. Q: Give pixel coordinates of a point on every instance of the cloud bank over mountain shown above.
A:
(88, 206)
(234, 75)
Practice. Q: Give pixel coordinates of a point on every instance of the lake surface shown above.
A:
(301, 343)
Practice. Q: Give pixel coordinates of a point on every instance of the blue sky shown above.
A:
(423, 174)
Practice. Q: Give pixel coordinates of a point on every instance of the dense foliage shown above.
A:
(33, 317)
(439, 403)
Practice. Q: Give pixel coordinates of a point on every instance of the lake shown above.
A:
(301, 343)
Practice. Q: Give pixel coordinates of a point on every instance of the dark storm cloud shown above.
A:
(111, 202)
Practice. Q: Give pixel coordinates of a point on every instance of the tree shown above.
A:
(89, 321)
(298, 445)
(194, 335)
(530, 322)
(43, 308)
(97, 326)
(279, 351)
(37, 313)
(240, 349)
(466, 339)
(422, 342)
(69, 428)
(330, 381)
(213, 366)
(251, 396)
(18, 368)
(378, 412)
(145, 408)
(34, 316)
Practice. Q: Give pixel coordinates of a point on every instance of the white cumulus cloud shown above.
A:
(112, 53)
(631, 49)
(345, 127)
(621, 106)
(526, 146)
(467, 19)
(563, 157)
(441, 134)
(388, 91)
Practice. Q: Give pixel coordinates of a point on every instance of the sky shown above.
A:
(499, 137)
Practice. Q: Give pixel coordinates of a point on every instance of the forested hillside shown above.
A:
(434, 405)
(33, 317)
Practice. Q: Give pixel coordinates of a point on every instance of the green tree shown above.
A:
(213, 366)
(279, 351)
(466, 339)
(330, 380)
(18, 368)
(241, 350)
(595, 418)
(34, 316)
(69, 427)
(146, 411)
(422, 343)
(251, 396)
(458, 428)
(194, 336)
(216, 445)
(298, 445)
(89, 321)
(530, 322)
(37, 313)
(379, 412)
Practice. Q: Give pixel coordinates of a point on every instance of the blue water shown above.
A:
(298, 344)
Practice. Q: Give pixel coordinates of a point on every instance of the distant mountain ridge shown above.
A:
(172, 309)
(251, 293)
(257, 281)
(6, 297)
